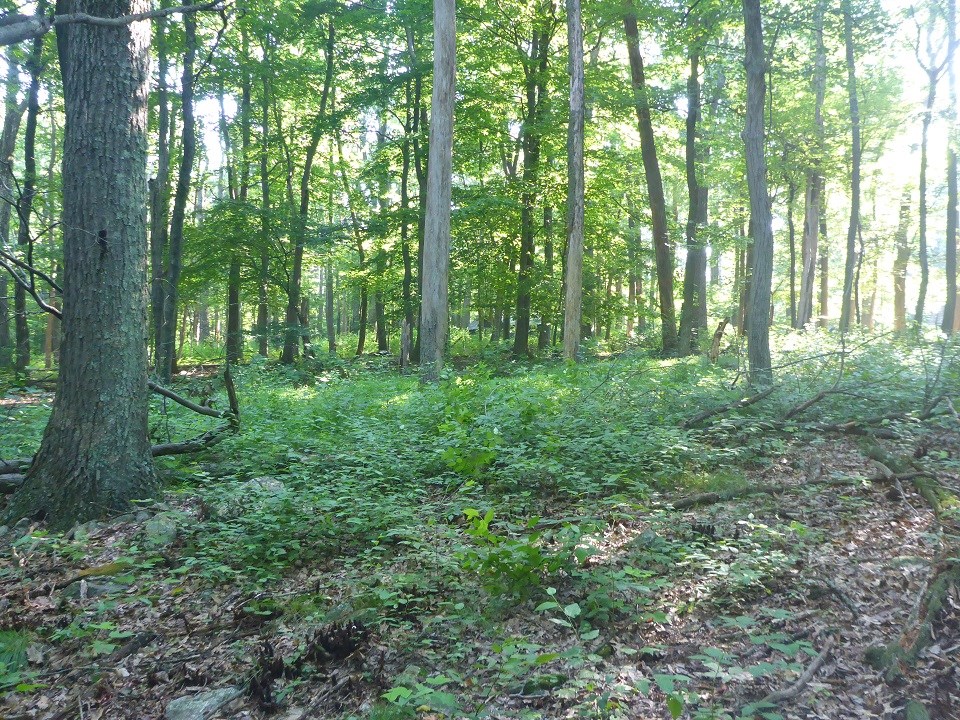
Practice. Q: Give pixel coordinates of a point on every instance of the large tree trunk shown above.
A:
(651, 166)
(814, 181)
(436, 243)
(758, 324)
(160, 190)
(693, 312)
(824, 320)
(13, 114)
(166, 360)
(29, 189)
(95, 453)
(847, 306)
(575, 186)
(951, 311)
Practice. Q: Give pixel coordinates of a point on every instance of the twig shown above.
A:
(779, 696)
(180, 400)
(737, 405)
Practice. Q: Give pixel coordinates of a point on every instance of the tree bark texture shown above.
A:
(651, 166)
(95, 453)
(758, 324)
(900, 263)
(575, 186)
(951, 310)
(436, 243)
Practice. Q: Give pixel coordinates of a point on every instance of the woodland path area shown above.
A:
(788, 595)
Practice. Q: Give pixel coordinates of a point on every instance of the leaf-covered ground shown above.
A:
(513, 543)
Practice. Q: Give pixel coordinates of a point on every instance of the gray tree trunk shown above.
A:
(846, 307)
(758, 323)
(658, 205)
(436, 242)
(951, 316)
(693, 312)
(95, 453)
(575, 186)
(814, 182)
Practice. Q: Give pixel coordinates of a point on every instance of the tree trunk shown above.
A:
(651, 166)
(328, 309)
(951, 311)
(13, 114)
(293, 334)
(900, 263)
(95, 453)
(693, 312)
(575, 186)
(758, 324)
(846, 308)
(436, 243)
(28, 192)
(167, 357)
(792, 241)
(263, 308)
(535, 72)
(814, 181)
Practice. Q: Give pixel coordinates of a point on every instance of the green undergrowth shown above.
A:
(505, 526)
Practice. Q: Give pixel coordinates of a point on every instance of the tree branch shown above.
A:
(17, 28)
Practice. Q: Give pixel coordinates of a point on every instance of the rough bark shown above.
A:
(575, 186)
(166, 359)
(436, 244)
(824, 269)
(758, 324)
(95, 453)
(263, 308)
(651, 166)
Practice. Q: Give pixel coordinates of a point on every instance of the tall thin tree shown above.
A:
(575, 185)
(436, 242)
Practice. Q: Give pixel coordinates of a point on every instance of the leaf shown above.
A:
(572, 611)
(397, 694)
(548, 605)
(592, 635)
(675, 705)
(545, 658)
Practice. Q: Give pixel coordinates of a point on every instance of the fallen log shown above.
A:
(736, 405)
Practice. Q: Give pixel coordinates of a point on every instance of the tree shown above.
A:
(951, 310)
(436, 243)
(95, 454)
(856, 152)
(758, 324)
(575, 186)
(658, 203)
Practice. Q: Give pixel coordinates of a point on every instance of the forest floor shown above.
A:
(370, 549)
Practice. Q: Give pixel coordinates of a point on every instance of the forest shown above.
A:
(411, 360)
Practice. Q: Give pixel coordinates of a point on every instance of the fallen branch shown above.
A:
(737, 405)
(190, 405)
(9, 467)
(779, 696)
(202, 442)
(10, 482)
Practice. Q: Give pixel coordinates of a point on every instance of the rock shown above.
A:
(200, 707)
(4, 530)
(125, 518)
(161, 530)
(142, 516)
